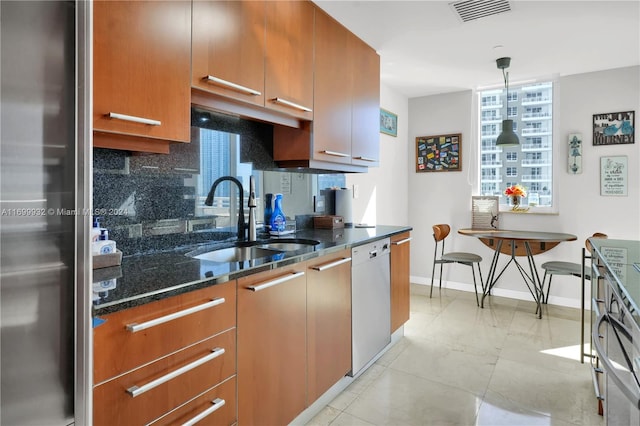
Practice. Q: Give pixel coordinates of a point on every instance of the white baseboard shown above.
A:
(502, 292)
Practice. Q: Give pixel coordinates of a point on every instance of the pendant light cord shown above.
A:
(506, 84)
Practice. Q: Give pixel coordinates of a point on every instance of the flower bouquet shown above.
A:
(515, 192)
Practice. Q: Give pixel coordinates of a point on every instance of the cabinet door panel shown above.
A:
(225, 415)
(289, 57)
(328, 322)
(141, 68)
(271, 347)
(228, 45)
(400, 285)
(114, 405)
(118, 350)
(365, 130)
(332, 92)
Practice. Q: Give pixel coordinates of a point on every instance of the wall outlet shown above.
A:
(356, 191)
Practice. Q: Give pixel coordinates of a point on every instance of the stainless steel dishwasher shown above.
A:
(370, 301)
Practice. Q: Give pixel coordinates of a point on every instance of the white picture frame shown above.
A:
(613, 176)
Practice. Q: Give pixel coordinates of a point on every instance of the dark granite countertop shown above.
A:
(141, 279)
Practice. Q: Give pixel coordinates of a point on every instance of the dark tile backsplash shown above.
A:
(149, 200)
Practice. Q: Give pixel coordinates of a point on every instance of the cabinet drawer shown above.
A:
(117, 349)
(215, 407)
(201, 366)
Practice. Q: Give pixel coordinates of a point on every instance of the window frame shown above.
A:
(555, 153)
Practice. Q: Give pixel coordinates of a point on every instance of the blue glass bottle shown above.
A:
(278, 219)
(268, 209)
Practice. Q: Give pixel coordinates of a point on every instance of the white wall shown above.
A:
(383, 192)
(445, 197)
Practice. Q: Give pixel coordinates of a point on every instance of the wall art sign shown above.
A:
(441, 153)
(575, 153)
(614, 128)
(613, 176)
(388, 122)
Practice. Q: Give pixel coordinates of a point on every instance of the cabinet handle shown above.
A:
(332, 264)
(372, 160)
(139, 327)
(139, 390)
(134, 119)
(335, 153)
(291, 104)
(275, 282)
(231, 85)
(399, 243)
(184, 169)
(217, 403)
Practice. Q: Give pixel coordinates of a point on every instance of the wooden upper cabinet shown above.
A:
(365, 133)
(332, 92)
(228, 49)
(141, 69)
(289, 58)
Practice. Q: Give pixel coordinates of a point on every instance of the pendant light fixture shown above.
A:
(507, 137)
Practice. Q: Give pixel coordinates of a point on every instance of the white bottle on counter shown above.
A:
(104, 245)
(96, 230)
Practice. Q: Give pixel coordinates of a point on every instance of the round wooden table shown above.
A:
(520, 243)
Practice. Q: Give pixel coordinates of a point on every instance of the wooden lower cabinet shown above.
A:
(163, 356)
(400, 285)
(126, 400)
(271, 346)
(217, 406)
(117, 349)
(328, 322)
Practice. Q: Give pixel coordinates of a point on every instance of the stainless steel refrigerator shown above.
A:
(44, 186)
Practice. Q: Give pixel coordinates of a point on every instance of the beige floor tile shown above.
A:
(396, 398)
(467, 312)
(458, 364)
(325, 417)
(466, 336)
(557, 329)
(498, 411)
(346, 419)
(440, 363)
(342, 401)
(542, 352)
(565, 397)
(365, 379)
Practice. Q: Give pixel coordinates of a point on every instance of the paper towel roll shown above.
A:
(344, 201)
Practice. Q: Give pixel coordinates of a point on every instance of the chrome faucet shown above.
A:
(251, 204)
(209, 202)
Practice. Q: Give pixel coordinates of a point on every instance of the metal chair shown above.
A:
(440, 232)
(576, 270)
(566, 268)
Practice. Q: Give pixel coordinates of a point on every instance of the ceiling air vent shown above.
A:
(468, 10)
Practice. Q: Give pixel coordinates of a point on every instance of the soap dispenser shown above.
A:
(278, 219)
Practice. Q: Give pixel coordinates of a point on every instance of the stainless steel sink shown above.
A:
(234, 254)
(290, 244)
(251, 250)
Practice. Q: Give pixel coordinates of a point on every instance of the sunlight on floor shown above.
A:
(493, 415)
(568, 352)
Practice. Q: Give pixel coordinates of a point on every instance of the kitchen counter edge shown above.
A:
(352, 237)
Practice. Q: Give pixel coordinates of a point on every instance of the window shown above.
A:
(530, 106)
